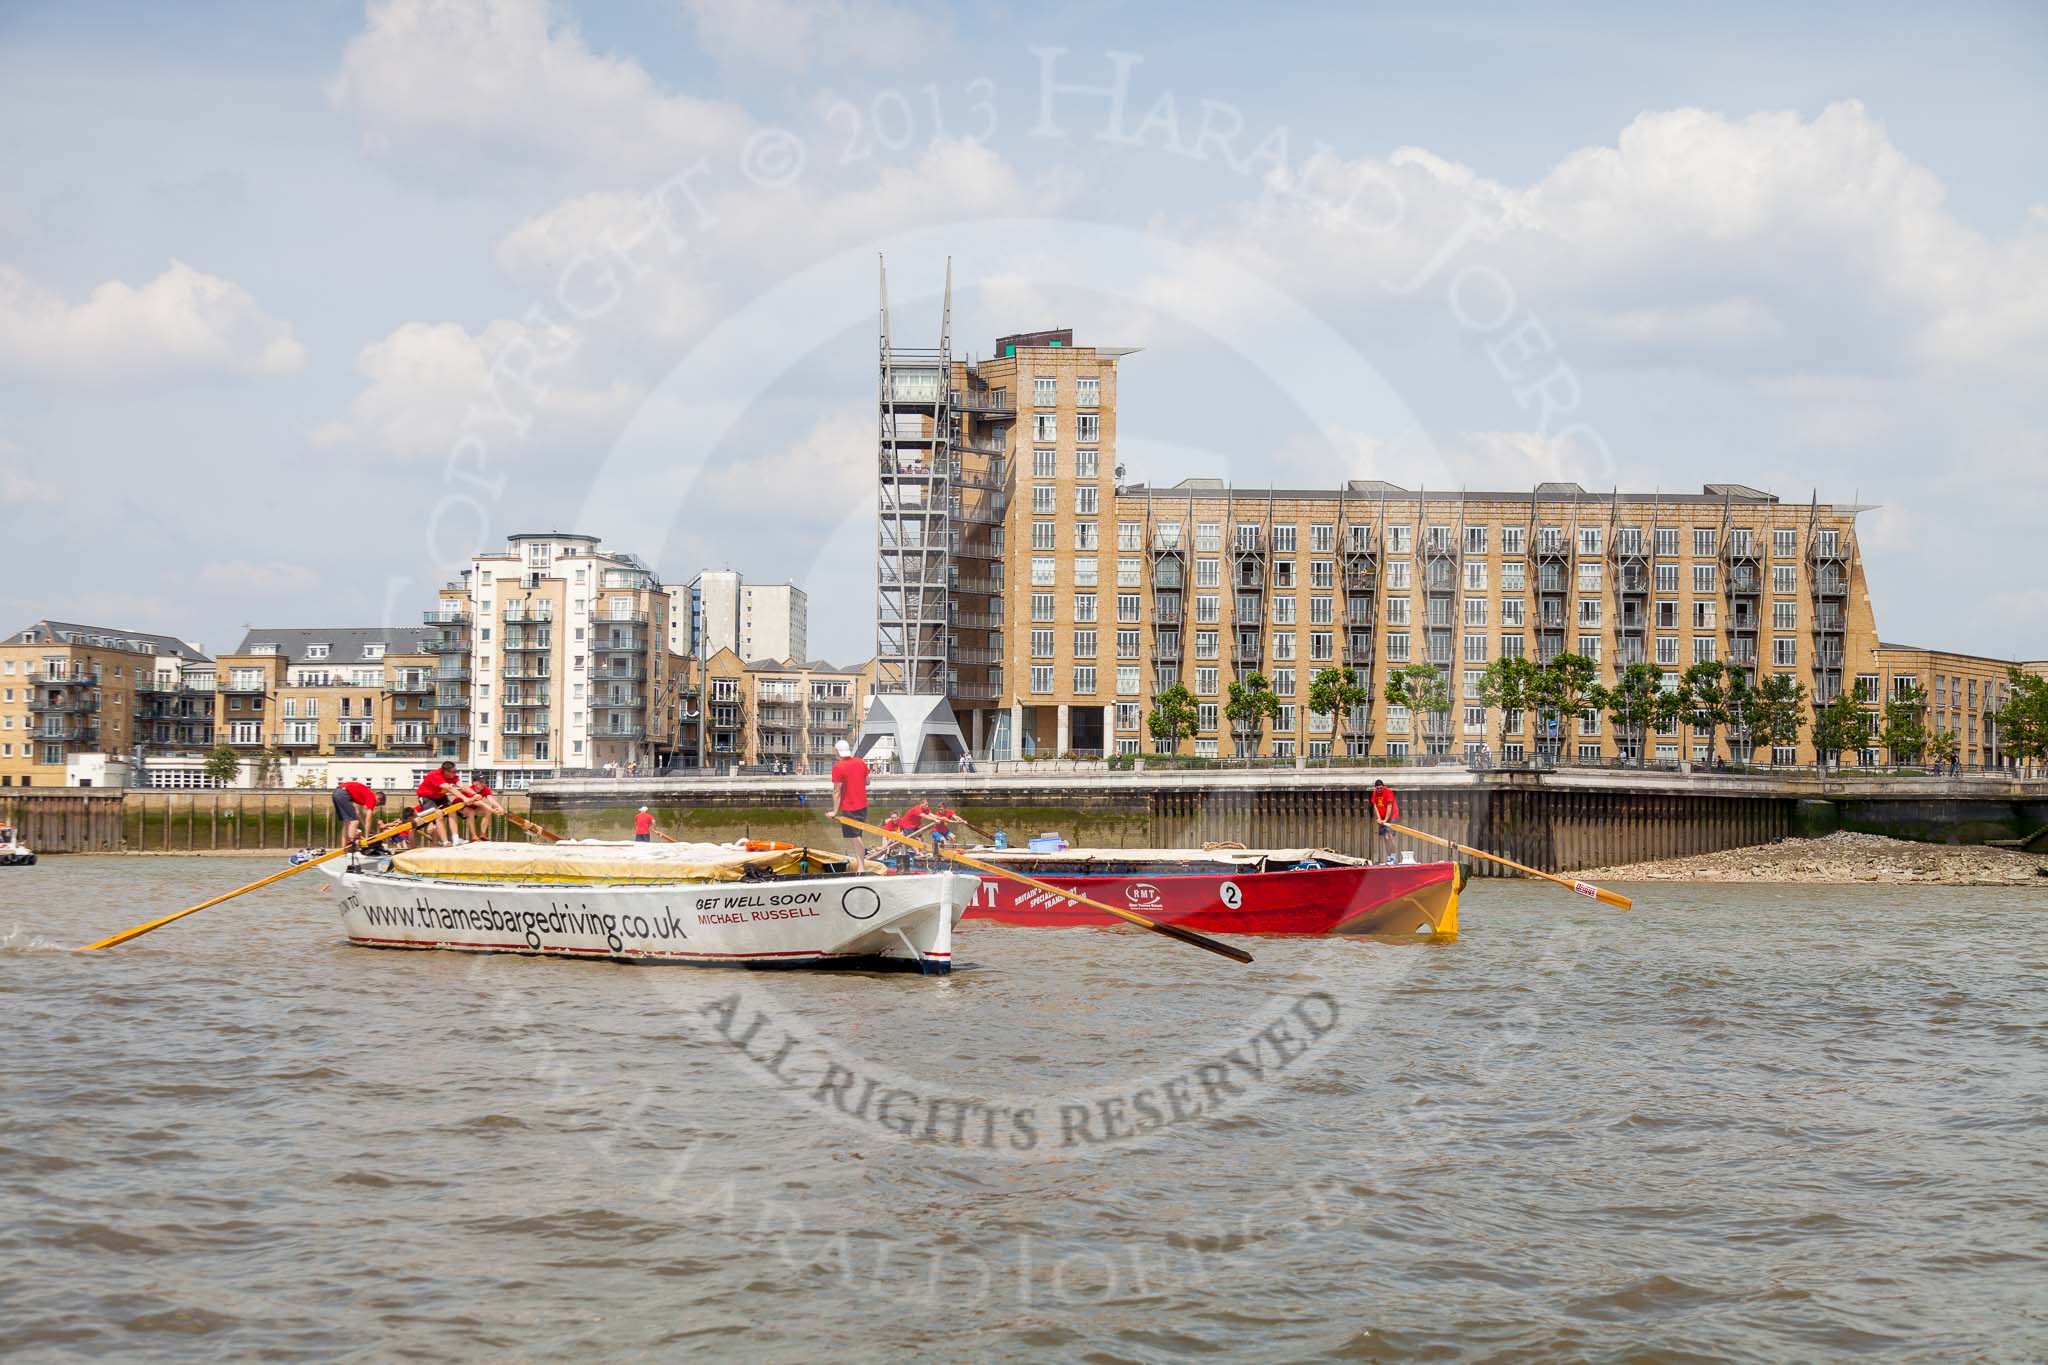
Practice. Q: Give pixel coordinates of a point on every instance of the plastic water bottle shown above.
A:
(1002, 839)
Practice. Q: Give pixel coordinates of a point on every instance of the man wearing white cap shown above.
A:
(850, 798)
(643, 827)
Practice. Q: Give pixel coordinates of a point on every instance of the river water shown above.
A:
(1772, 1123)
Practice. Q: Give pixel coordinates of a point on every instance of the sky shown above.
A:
(301, 305)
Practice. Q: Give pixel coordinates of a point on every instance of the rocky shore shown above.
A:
(1845, 858)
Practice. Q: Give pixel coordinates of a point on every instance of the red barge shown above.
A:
(1227, 890)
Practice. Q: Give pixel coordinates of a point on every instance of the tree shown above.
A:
(2023, 720)
(1250, 706)
(1778, 712)
(1335, 692)
(1508, 684)
(223, 765)
(1944, 746)
(1563, 686)
(1705, 687)
(1837, 726)
(1740, 705)
(1904, 733)
(269, 768)
(1421, 688)
(1631, 703)
(1173, 715)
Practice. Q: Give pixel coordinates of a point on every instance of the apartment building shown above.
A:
(553, 655)
(346, 691)
(70, 691)
(1051, 602)
(1963, 694)
(760, 622)
(788, 712)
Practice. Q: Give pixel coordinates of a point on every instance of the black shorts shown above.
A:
(860, 815)
(344, 804)
(428, 803)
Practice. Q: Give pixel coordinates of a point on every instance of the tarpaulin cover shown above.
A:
(605, 861)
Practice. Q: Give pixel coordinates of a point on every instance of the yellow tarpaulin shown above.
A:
(595, 861)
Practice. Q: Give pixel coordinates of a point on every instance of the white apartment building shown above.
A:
(760, 622)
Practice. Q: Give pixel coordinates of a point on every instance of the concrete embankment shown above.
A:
(1847, 859)
(1557, 821)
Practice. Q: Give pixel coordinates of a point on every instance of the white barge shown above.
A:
(702, 904)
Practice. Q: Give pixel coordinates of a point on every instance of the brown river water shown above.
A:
(1768, 1123)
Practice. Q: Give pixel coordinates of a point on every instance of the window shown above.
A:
(1322, 538)
(1045, 426)
(1088, 391)
(1667, 578)
(1589, 646)
(1045, 535)
(1041, 678)
(1283, 644)
(1085, 532)
(316, 651)
(1475, 611)
(1398, 575)
(1283, 682)
(1283, 611)
(1208, 607)
(1703, 542)
(1208, 535)
(1589, 611)
(1321, 611)
(1129, 573)
(1866, 687)
(1703, 649)
(1084, 679)
(1667, 649)
(1667, 540)
(1283, 540)
(1703, 616)
(1206, 715)
(1126, 686)
(1042, 571)
(1785, 578)
(1475, 648)
(1042, 606)
(1703, 578)
(1511, 647)
(1514, 576)
(1397, 646)
(1784, 616)
(1205, 683)
(1475, 576)
(1041, 644)
(1127, 606)
(1206, 644)
(1045, 464)
(1321, 646)
(1399, 539)
(1085, 463)
(1208, 573)
(1127, 644)
(1512, 612)
(1087, 427)
(1084, 606)
(1784, 651)
(1087, 500)
(1589, 575)
(1084, 644)
(1589, 540)
(1045, 390)
(1398, 609)
(1511, 540)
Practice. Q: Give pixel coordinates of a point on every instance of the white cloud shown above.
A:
(266, 578)
(432, 383)
(183, 319)
(485, 85)
(790, 34)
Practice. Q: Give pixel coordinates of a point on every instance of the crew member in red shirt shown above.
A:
(434, 793)
(850, 799)
(643, 826)
(353, 802)
(1386, 808)
(483, 804)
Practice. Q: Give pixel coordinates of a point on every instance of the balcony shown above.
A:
(527, 670)
(240, 741)
(625, 701)
(620, 732)
(986, 404)
(517, 614)
(405, 740)
(522, 701)
(412, 687)
(244, 688)
(779, 717)
(62, 679)
(451, 729)
(63, 706)
(972, 691)
(452, 673)
(445, 645)
(621, 617)
(535, 725)
(305, 739)
(445, 618)
(360, 739)
(635, 672)
(449, 699)
(527, 644)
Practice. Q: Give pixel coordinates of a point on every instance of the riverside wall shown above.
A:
(97, 820)
(1555, 821)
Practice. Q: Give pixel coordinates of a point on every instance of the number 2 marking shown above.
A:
(1232, 894)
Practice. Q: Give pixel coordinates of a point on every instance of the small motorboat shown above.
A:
(707, 904)
(13, 852)
(1227, 890)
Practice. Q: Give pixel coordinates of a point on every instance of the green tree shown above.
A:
(223, 765)
(1740, 704)
(1631, 704)
(1564, 687)
(1837, 726)
(1173, 715)
(2023, 721)
(1335, 692)
(1904, 732)
(1944, 746)
(1778, 713)
(1508, 684)
(1250, 705)
(269, 768)
(1422, 689)
(1705, 687)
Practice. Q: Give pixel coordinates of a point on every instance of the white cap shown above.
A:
(845, 749)
(643, 810)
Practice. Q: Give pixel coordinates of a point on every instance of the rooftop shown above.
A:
(344, 643)
(1373, 490)
(47, 632)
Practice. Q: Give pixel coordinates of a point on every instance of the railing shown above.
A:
(536, 671)
(636, 673)
(617, 646)
(243, 741)
(985, 403)
(418, 687)
(61, 680)
(445, 618)
(450, 729)
(635, 618)
(244, 689)
(402, 740)
(621, 732)
(445, 646)
(522, 702)
(72, 706)
(630, 702)
(526, 644)
(537, 726)
(359, 741)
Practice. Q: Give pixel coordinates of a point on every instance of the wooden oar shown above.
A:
(1188, 936)
(532, 828)
(416, 823)
(1605, 897)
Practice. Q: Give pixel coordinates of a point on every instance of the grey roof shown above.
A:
(798, 666)
(105, 637)
(1935, 649)
(1372, 490)
(344, 643)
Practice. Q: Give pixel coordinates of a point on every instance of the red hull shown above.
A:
(1402, 899)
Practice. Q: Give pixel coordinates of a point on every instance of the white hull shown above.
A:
(881, 921)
